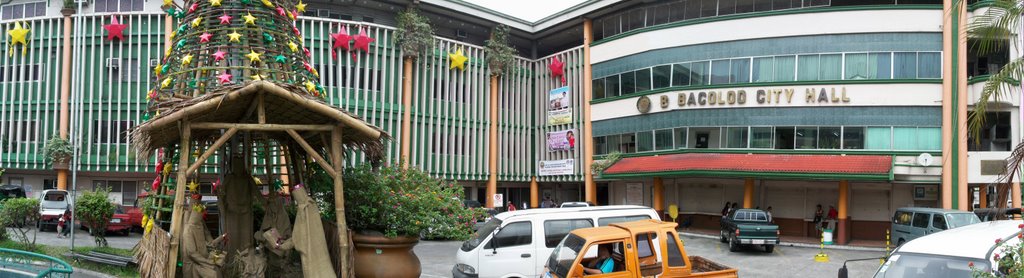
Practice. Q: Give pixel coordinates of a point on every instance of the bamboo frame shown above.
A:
(339, 201)
(179, 196)
(212, 149)
(309, 150)
(262, 127)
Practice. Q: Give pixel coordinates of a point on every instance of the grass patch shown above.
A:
(60, 252)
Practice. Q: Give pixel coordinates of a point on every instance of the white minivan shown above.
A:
(518, 243)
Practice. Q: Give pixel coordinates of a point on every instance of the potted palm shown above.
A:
(59, 151)
(414, 33)
(500, 56)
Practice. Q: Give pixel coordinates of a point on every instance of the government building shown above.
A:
(857, 105)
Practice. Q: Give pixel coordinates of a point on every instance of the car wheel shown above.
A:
(733, 246)
(721, 237)
(768, 248)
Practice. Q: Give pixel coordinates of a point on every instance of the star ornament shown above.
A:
(341, 39)
(186, 60)
(18, 36)
(458, 60)
(310, 87)
(363, 41)
(219, 55)
(205, 37)
(253, 56)
(234, 37)
(294, 47)
(115, 29)
(268, 3)
(301, 7)
(225, 19)
(197, 21)
(249, 19)
(224, 78)
(215, 3)
(557, 69)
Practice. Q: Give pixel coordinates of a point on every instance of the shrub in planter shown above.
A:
(414, 33)
(500, 55)
(58, 150)
(20, 214)
(95, 211)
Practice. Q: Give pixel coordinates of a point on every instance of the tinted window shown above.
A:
(938, 222)
(741, 215)
(759, 216)
(604, 221)
(643, 244)
(555, 230)
(902, 218)
(515, 234)
(675, 257)
(921, 220)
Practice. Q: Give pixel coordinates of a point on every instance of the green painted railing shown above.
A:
(29, 264)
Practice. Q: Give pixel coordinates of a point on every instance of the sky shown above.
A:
(529, 10)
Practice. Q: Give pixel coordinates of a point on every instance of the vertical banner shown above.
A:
(562, 140)
(559, 106)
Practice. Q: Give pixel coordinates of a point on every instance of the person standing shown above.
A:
(725, 210)
(769, 212)
(511, 207)
(817, 217)
(60, 226)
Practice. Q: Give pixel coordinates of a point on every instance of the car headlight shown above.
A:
(464, 268)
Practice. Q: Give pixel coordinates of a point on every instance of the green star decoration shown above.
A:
(182, 42)
(182, 28)
(280, 59)
(192, 84)
(170, 11)
(267, 37)
(179, 14)
(246, 2)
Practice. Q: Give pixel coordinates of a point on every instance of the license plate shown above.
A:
(115, 220)
(758, 241)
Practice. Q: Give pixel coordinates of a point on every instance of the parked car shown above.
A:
(517, 243)
(135, 211)
(52, 204)
(749, 227)
(120, 223)
(576, 205)
(950, 253)
(471, 203)
(11, 192)
(636, 251)
(989, 214)
(910, 223)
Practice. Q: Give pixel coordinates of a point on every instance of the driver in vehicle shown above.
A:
(603, 263)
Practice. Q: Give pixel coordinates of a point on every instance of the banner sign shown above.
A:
(559, 106)
(557, 167)
(563, 140)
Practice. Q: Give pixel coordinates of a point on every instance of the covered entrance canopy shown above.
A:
(766, 166)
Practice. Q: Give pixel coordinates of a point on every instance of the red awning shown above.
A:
(873, 167)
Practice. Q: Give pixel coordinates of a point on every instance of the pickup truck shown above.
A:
(643, 248)
(749, 227)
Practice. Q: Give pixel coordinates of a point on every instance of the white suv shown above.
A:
(951, 253)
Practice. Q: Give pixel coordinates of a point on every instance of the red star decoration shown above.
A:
(363, 41)
(341, 40)
(225, 19)
(308, 54)
(192, 9)
(224, 78)
(281, 12)
(557, 69)
(219, 55)
(205, 37)
(115, 29)
(308, 67)
(296, 30)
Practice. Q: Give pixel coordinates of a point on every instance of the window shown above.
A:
(644, 141)
(807, 67)
(599, 145)
(921, 220)
(650, 261)
(643, 80)
(938, 222)
(994, 134)
(680, 134)
(902, 218)
(49, 184)
(741, 215)
(598, 88)
(737, 137)
(25, 10)
(20, 73)
(675, 255)
(806, 137)
(853, 138)
(110, 6)
(929, 65)
(612, 143)
(784, 138)
(628, 82)
(904, 65)
(604, 221)
(662, 76)
(878, 138)
(719, 72)
(611, 86)
(555, 230)
(740, 71)
(129, 70)
(515, 234)
(663, 139)
(763, 69)
(608, 265)
(627, 143)
(831, 67)
(879, 65)
(21, 131)
(829, 137)
(700, 73)
(785, 68)
(681, 74)
(761, 137)
(110, 132)
(856, 66)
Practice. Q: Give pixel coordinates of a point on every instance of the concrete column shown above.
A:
(748, 193)
(534, 193)
(1015, 194)
(406, 110)
(982, 196)
(492, 146)
(65, 94)
(659, 196)
(588, 134)
(842, 231)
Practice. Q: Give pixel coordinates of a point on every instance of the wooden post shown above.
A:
(406, 111)
(179, 197)
(65, 95)
(339, 201)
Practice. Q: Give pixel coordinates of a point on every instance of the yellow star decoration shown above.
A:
(315, 73)
(215, 3)
(165, 84)
(457, 60)
(186, 60)
(268, 4)
(257, 180)
(18, 35)
(173, 33)
(253, 56)
(256, 77)
(168, 51)
(158, 69)
(234, 37)
(167, 167)
(301, 7)
(294, 47)
(192, 186)
(168, 2)
(197, 21)
(310, 86)
(249, 19)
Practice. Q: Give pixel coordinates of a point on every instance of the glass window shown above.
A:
(744, 6)
(598, 89)
(902, 218)
(611, 86)
(644, 141)
(929, 138)
(737, 137)
(807, 68)
(604, 221)
(681, 74)
(784, 137)
(938, 222)
(662, 76)
(740, 71)
(708, 8)
(643, 80)
(726, 7)
(904, 65)
(785, 68)
(879, 65)
(692, 9)
(627, 143)
(929, 65)
(613, 143)
(719, 72)
(831, 67)
(555, 230)
(856, 66)
(921, 220)
(878, 138)
(783, 4)
(514, 234)
(828, 137)
(680, 134)
(628, 80)
(763, 67)
(675, 255)
(700, 73)
(599, 145)
(663, 139)
(853, 138)
(904, 138)
(761, 137)
(806, 137)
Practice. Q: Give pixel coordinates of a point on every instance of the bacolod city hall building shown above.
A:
(860, 105)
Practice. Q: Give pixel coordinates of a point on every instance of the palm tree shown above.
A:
(992, 32)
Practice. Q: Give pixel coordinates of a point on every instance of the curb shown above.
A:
(798, 244)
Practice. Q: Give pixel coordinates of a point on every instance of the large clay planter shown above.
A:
(380, 256)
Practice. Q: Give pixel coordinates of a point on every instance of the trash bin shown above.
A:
(826, 236)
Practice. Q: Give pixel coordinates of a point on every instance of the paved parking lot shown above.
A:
(82, 238)
(438, 257)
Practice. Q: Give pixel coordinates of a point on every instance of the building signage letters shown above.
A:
(761, 96)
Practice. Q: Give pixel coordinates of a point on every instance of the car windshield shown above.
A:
(907, 265)
(481, 234)
(564, 255)
(955, 220)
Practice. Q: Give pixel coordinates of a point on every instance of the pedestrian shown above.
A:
(817, 216)
(511, 207)
(524, 206)
(548, 203)
(725, 210)
(769, 212)
(67, 220)
(733, 208)
(832, 213)
(60, 226)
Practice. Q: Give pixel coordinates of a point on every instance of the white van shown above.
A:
(518, 243)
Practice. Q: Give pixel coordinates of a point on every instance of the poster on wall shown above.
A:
(635, 194)
(563, 140)
(926, 192)
(559, 106)
(557, 167)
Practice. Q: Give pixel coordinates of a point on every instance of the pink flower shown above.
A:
(998, 241)
(997, 256)
(970, 264)
(1021, 226)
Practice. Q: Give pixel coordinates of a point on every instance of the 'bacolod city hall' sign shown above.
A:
(741, 97)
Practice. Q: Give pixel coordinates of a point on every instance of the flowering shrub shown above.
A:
(1009, 260)
(404, 202)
